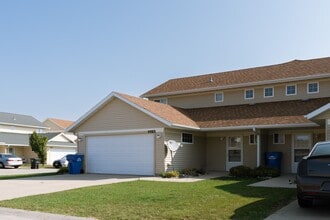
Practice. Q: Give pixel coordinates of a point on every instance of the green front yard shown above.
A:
(210, 199)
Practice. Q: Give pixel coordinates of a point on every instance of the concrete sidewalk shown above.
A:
(284, 181)
(16, 214)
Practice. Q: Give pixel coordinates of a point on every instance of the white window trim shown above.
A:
(245, 94)
(215, 97)
(318, 88)
(286, 89)
(279, 142)
(254, 139)
(192, 138)
(271, 87)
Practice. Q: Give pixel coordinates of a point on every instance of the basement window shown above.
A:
(186, 138)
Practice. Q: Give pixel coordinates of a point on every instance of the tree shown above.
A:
(38, 145)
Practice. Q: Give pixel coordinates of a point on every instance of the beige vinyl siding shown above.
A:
(217, 145)
(249, 153)
(216, 154)
(118, 115)
(188, 155)
(236, 96)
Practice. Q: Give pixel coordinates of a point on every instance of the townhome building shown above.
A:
(213, 121)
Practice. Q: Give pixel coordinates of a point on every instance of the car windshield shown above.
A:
(321, 149)
(9, 155)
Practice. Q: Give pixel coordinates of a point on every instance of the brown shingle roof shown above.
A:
(166, 112)
(263, 114)
(62, 123)
(293, 69)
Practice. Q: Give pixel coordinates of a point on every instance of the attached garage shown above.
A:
(121, 154)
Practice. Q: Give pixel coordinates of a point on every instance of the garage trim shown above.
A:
(118, 132)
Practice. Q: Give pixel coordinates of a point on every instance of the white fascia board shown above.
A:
(234, 86)
(185, 127)
(22, 125)
(318, 111)
(118, 132)
(260, 127)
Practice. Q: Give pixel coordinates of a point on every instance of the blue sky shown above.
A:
(60, 58)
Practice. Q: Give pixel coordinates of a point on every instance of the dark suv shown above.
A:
(313, 175)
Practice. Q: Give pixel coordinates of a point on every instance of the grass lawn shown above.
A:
(222, 198)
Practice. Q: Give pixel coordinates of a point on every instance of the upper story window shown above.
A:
(291, 89)
(186, 138)
(269, 92)
(312, 87)
(219, 97)
(249, 94)
(161, 100)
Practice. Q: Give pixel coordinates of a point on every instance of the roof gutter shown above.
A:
(249, 84)
(260, 127)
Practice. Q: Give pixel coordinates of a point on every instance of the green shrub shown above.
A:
(192, 172)
(240, 171)
(170, 174)
(264, 171)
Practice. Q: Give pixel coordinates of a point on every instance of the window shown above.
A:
(161, 100)
(278, 138)
(291, 90)
(252, 139)
(187, 138)
(268, 92)
(249, 94)
(218, 97)
(312, 87)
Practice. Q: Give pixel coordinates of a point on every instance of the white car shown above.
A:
(10, 160)
(63, 162)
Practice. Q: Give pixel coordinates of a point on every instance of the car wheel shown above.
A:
(16, 167)
(57, 165)
(305, 203)
(1, 165)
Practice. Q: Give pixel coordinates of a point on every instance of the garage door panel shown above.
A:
(122, 154)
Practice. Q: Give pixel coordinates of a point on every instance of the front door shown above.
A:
(234, 152)
(302, 144)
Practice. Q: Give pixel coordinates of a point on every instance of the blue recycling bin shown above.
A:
(75, 163)
(273, 159)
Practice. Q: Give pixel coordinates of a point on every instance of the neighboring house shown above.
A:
(60, 125)
(221, 120)
(15, 131)
(59, 144)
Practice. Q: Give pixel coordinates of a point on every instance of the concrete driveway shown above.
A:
(25, 170)
(15, 188)
(293, 211)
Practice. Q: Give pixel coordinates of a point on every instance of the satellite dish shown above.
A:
(173, 145)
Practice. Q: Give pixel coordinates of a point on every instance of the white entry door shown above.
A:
(302, 144)
(234, 152)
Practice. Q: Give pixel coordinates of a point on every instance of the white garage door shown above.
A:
(121, 154)
(57, 153)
